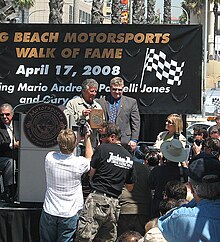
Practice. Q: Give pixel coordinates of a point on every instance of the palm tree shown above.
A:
(194, 6)
(56, 11)
(116, 11)
(22, 5)
(97, 12)
(138, 15)
(167, 12)
(150, 11)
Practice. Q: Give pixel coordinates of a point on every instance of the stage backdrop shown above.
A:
(161, 64)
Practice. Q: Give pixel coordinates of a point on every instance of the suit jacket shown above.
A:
(128, 117)
(5, 150)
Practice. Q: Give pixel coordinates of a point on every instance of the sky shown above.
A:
(176, 10)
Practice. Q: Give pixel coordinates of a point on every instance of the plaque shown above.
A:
(96, 118)
(43, 123)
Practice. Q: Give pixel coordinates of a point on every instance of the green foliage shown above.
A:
(183, 18)
(22, 4)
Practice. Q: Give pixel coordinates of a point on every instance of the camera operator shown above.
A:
(197, 141)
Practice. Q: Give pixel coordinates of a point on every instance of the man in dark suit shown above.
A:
(8, 150)
(123, 111)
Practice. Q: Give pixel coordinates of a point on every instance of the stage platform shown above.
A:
(19, 222)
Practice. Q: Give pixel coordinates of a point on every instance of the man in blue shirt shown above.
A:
(199, 220)
(123, 111)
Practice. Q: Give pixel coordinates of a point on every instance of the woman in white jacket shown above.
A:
(174, 129)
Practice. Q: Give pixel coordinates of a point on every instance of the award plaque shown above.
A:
(96, 118)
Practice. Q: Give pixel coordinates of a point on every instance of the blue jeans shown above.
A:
(54, 228)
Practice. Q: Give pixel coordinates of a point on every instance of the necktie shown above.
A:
(10, 132)
(113, 113)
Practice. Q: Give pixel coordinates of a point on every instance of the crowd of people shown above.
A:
(170, 194)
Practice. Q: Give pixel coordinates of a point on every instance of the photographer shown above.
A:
(197, 141)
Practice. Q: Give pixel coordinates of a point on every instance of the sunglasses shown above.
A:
(169, 121)
(197, 134)
(117, 89)
(214, 132)
(4, 114)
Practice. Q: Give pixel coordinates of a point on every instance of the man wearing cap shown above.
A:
(173, 153)
(198, 220)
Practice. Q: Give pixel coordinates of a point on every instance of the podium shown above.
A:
(39, 128)
(31, 172)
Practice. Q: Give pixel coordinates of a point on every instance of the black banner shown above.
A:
(161, 64)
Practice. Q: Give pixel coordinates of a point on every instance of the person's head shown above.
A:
(200, 133)
(173, 151)
(116, 87)
(129, 236)
(89, 90)
(167, 204)
(217, 120)
(214, 132)
(212, 146)
(152, 158)
(102, 133)
(111, 133)
(204, 178)
(6, 113)
(66, 141)
(176, 190)
(174, 123)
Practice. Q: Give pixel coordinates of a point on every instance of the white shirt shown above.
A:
(64, 196)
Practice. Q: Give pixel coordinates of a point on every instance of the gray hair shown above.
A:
(206, 190)
(118, 81)
(7, 105)
(89, 83)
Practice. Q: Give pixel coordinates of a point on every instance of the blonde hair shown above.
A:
(66, 141)
(178, 122)
(117, 81)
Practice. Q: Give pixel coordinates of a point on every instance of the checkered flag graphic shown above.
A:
(171, 71)
(216, 102)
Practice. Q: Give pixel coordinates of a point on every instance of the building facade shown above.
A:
(74, 12)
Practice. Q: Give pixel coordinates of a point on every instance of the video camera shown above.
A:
(143, 149)
(82, 127)
(191, 140)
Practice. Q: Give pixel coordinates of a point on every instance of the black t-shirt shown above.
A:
(114, 167)
(158, 179)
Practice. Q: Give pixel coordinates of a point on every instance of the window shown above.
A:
(84, 18)
(71, 14)
(109, 2)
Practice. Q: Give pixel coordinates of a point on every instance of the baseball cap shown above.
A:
(205, 170)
